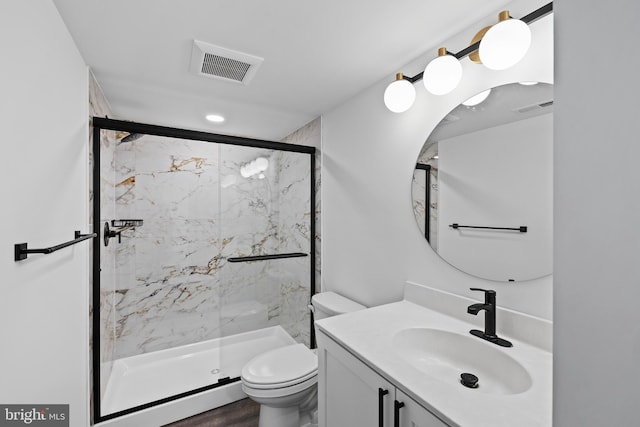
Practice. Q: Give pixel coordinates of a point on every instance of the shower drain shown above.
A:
(215, 371)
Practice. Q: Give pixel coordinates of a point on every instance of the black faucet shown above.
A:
(489, 308)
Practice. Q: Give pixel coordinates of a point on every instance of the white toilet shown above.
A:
(284, 381)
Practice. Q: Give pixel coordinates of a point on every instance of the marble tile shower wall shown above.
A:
(266, 216)
(294, 232)
(311, 135)
(173, 283)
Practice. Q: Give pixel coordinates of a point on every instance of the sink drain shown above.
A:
(469, 380)
(215, 371)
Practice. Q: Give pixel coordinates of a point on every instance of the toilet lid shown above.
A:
(282, 366)
(334, 304)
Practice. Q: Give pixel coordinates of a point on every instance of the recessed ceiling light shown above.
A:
(215, 118)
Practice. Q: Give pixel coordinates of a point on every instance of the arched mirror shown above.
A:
(482, 188)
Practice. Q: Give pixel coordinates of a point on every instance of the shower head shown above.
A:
(128, 137)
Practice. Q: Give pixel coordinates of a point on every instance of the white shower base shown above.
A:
(145, 378)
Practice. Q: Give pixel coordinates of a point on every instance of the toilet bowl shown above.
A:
(284, 381)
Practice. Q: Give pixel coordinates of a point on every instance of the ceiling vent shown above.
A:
(221, 63)
(533, 107)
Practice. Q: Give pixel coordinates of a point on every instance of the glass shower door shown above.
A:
(265, 229)
(159, 280)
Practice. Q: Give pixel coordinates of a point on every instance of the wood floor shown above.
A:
(243, 413)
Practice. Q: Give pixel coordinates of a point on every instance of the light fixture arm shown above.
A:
(527, 19)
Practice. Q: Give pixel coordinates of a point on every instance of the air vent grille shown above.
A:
(221, 63)
(226, 68)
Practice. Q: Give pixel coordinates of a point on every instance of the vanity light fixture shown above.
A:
(443, 74)
(399, 95)
(500, 47)
(505, 43)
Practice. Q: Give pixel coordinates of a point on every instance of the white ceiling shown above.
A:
(316, 54)
(505, 104)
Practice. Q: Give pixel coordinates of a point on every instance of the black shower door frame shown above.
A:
(100, 124)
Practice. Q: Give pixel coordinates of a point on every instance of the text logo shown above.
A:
(34, 415)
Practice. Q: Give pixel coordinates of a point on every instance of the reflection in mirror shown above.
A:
(482, 187)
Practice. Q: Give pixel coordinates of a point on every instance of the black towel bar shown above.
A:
(21, 250)
(266, 257)
(522, 228)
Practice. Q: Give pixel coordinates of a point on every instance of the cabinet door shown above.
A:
(408, 413)
(350, 394)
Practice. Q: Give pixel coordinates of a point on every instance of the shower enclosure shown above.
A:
(204, 260)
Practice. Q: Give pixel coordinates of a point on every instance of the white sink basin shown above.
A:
(445, 355)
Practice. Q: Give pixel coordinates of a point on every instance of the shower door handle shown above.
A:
(381, 394)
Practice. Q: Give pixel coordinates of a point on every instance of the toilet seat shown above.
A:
(281, 368)
(284, 384)
(279, 392)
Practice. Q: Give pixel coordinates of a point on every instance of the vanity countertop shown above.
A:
(368, 334)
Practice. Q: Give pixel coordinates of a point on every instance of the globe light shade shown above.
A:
(399, 95)
(443, 74)
(477, 99)
(505, 44)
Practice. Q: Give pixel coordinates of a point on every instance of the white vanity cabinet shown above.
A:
(411, 414)
(350, 394)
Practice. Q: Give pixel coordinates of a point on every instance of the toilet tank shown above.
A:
(327, 304)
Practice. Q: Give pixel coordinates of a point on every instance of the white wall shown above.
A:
(371, 243)
(44, 299)
(597, 211)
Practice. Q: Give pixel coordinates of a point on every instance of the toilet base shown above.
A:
(283, 417)
(283, 414)
(286, 417)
